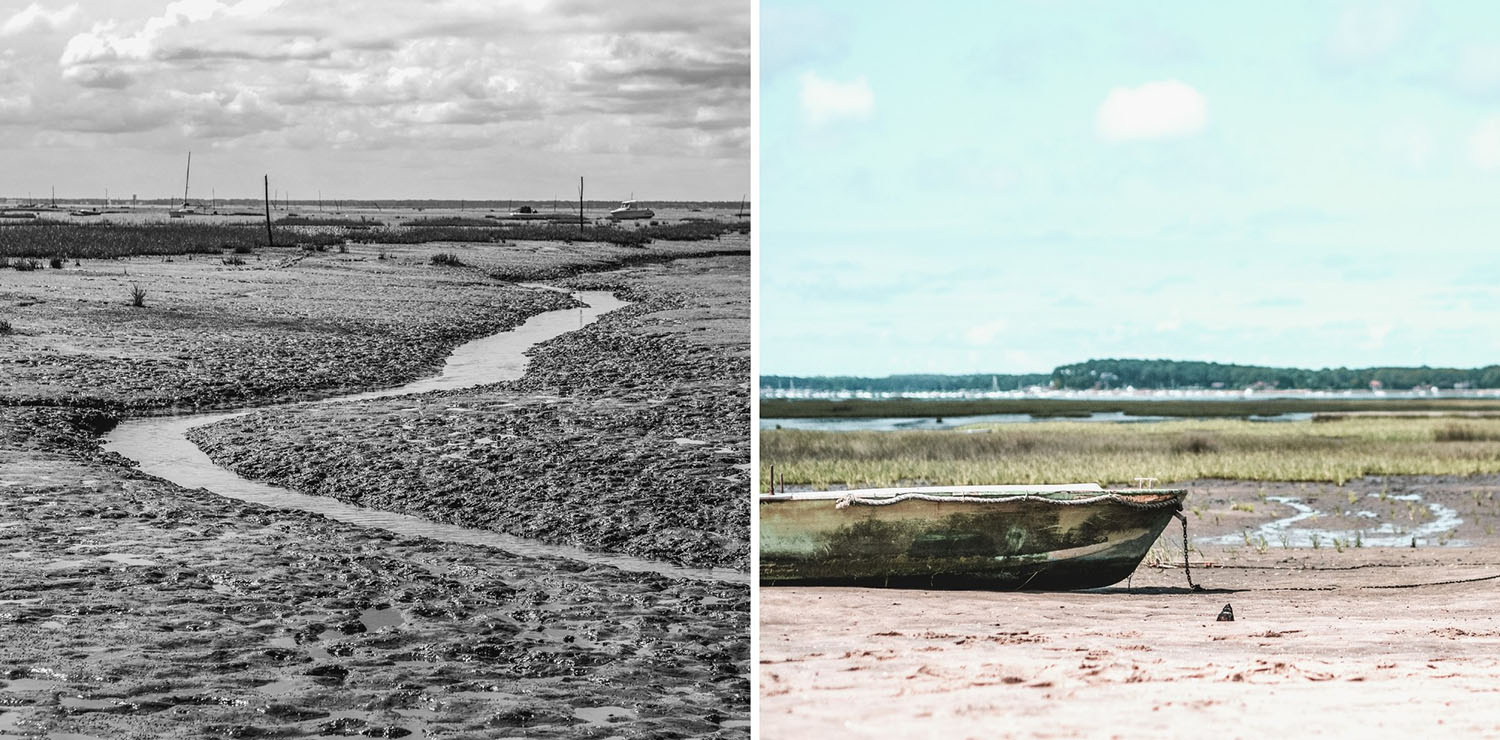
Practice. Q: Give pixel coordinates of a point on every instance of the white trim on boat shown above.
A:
(966, 490)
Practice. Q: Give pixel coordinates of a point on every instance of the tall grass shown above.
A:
(1057, 452)
(48, 239)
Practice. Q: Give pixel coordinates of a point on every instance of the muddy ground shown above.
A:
(629, 435)
(130, 607)
(1334, 640)
(286, 325)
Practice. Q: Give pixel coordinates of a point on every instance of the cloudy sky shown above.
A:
(1006, 187)
(377, 98)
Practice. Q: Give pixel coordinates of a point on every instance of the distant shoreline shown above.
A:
(1082, 407)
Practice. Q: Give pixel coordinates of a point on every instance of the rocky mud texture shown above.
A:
(218, 336)
(130, 608)
(286, 325)
(630, 435)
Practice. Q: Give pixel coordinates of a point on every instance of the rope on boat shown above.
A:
(1170, 500)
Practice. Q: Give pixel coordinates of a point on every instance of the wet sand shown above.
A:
(1335, 640)
(130, 607)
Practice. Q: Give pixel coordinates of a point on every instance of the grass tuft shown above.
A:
(1194, 443)
(1465, 433)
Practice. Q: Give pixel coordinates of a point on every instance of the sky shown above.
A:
(1006, 187)
(377, 98)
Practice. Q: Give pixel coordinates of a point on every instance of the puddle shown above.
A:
(126, 558)
(284, 686)
(87, 705)
(604, 715)
(62, 564)
(1284, 532)
(159, 447)
(32, 684)
(376, 619)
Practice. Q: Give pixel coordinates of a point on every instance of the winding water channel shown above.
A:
(160, 447)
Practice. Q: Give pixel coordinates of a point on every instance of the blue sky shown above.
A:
(1005, 187)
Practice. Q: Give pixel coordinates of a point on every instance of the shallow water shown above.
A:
(1286, 533)
(160, 447)
(936, 423)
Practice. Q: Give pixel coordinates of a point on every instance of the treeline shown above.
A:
(906, 383)
(1156, 374)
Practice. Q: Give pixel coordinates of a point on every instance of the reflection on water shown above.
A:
(160, 447)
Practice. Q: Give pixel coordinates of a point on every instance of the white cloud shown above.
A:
(1154, 110)
(35, 19)
(982, 334)
(1375, 335)
(1484, 144)
(828, 100)
(1370, 30)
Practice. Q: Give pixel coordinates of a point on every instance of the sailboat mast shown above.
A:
(186, 179)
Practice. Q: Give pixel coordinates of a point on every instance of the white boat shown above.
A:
(628, 210)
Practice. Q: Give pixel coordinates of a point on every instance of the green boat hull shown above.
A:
(1046, 540)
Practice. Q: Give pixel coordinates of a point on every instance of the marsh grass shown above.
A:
(106, 240)
(1053, 452)
(46, 239)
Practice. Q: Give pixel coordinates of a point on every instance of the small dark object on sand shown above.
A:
(1226, 615)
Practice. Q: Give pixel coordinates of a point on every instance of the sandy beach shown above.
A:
(1344, 640)
(132, 607)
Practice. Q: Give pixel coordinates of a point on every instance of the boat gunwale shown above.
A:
(998, 493)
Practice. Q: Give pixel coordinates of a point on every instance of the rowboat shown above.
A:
(1059, 537)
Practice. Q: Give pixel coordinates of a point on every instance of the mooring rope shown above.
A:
(1187, 568)
(1171, 500)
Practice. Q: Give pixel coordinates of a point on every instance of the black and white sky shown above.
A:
(377, 98)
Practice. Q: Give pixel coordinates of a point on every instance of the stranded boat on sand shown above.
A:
(1003, 537)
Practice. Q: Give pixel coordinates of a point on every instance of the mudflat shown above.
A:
(1342, 638)
(629, 435)
(131, 607)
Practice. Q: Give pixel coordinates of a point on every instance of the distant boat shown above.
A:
(628, 211)
(1059, 537)
(527, 213)
(85, 212)
(187, 208)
